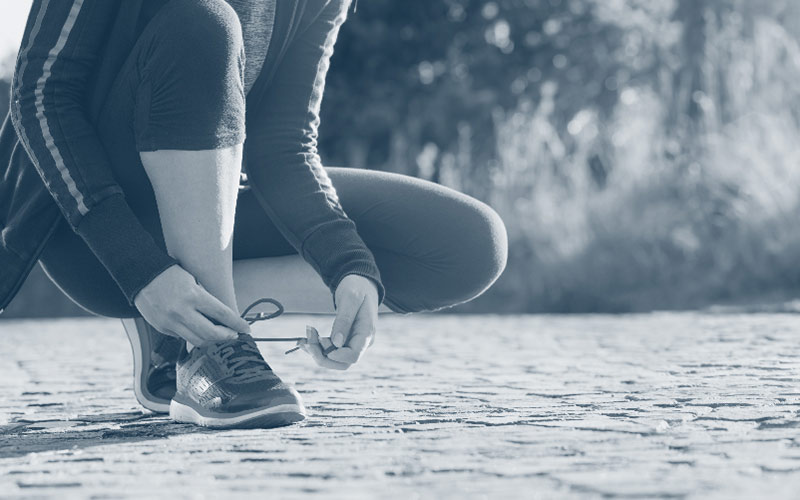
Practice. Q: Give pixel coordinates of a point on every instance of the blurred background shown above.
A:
(644, 155)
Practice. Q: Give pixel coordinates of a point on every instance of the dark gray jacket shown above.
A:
(55, 166)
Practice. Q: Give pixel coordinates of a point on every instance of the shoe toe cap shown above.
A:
(279, 395)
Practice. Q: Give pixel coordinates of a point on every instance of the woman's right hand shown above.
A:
(176, 304)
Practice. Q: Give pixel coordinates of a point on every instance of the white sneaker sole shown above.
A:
(275, 416)
(131, 330)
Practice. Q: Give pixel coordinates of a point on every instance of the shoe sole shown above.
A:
(264, 418)
(157, 405)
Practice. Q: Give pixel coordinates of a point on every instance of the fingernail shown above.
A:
(337, 339)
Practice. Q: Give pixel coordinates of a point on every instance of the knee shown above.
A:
(201, 35)
(492, 245)
(479, 251)
(468, 253)
(192, 49)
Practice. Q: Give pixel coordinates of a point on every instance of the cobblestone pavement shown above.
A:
(666, 405)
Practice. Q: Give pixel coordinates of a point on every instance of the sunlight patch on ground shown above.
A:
(661, 405)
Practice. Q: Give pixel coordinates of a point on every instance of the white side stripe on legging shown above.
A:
(52, 56)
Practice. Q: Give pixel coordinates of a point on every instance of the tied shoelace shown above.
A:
(243, 360)
(241, 356)
(261, 316)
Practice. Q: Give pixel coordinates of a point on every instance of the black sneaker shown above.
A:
(229, 385)
(154, 358)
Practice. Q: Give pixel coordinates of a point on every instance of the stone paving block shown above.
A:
(645, 406)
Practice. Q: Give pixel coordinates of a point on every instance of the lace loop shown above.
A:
(262, 315)
(242, 360)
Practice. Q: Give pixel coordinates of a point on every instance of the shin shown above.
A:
(196, 194)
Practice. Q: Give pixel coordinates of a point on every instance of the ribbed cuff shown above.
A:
(366, 271)
(335, 249)
(123, 245)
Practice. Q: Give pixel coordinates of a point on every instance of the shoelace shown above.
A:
(264, 316)
(241, 356)
(243, 360)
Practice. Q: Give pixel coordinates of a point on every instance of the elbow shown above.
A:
(17, 121)
(22, 107)
(14, 101)
(29, 103)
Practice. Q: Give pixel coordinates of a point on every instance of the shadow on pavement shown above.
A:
(22, 436)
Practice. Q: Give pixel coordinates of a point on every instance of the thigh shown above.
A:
(435, 247)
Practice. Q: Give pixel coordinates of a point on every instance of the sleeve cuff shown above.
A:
(367, 271)
(335, 250)
(123, 245)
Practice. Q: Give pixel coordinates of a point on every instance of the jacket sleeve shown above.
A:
(283, 165)
(60, 50)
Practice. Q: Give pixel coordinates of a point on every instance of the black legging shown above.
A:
(434, 247)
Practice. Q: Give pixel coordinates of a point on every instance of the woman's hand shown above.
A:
(176, 304)
(354, 327)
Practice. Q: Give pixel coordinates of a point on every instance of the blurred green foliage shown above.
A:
(644, 155)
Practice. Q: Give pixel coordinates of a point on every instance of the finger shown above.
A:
(326, 346)
(315, 350)
(313, 338)
(187, 335)
(355, 349)
(319, 348)
(361, 341)
(345, 316)
(363, 328)
(208, 331)
(345, 355)
(373, 313)
(216, 310)
(312, 335)
(359, 337)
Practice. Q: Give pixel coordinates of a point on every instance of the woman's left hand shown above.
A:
(354, 327)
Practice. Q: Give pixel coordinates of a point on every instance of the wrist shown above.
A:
(374, 285)
(118, 239)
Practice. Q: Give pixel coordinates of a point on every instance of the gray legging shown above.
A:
(434, 246)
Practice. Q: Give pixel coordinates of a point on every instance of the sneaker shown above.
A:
(229, 385)
(154, 358)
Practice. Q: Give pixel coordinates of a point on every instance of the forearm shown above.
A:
(283, 165)
(47, 110)
(313, 222)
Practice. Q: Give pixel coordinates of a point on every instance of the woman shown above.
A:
(137, 118)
